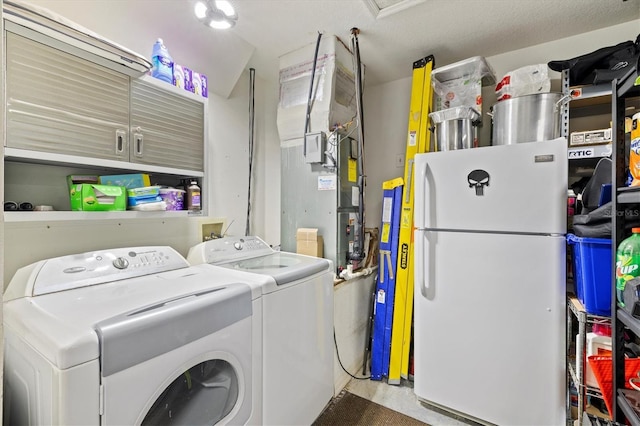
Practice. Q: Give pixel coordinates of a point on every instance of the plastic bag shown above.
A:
(460, 84)
(460, 92)
(524, 81)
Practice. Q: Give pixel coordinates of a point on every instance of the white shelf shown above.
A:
(23, 155)
(37, 216)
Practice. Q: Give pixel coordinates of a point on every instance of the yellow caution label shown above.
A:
(386, 231)
(353, 170)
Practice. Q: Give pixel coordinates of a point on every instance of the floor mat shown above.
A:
(350, 409)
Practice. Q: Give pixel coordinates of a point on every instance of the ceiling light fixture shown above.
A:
(217, 14)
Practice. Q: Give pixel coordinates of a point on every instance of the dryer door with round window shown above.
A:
(184, 361)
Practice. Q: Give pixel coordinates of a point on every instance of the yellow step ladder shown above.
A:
(418, 141)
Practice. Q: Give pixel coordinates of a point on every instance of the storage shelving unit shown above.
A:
(623, 90)
(587, 102)
(576, 365)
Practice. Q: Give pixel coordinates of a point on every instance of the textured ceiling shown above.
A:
(451, 30)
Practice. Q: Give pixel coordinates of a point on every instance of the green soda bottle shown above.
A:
(627, 262)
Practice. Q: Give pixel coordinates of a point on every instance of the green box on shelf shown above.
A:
(92, 197)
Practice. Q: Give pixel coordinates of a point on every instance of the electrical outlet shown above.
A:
(400, 160)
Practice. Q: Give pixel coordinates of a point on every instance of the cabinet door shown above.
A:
(167, 129)
(61, 103)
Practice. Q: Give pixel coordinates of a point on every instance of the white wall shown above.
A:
(351, 310)
(565, 48)
(387, 106)
(387, 117)
(229, 160)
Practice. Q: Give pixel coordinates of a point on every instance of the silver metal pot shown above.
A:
(528, 118)
(454, 128)
(454, 134)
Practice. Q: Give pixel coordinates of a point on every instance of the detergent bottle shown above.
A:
(162, 62)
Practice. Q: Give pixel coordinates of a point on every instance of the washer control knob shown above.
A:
(120, 263)
(237, 245)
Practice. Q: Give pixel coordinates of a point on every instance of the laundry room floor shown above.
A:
(401, 399)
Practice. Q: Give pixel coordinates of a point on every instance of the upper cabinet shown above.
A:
(70, 110)
(60, 103)
(167, 129)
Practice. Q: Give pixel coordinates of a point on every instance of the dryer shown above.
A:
(297, 333)
(131, 336)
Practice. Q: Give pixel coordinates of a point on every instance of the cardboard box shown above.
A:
(77, 179)
(92, 197)
(135, 180)
(309, 242)
(590, 137)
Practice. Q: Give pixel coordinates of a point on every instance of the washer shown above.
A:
(131, 336)
(297, 307)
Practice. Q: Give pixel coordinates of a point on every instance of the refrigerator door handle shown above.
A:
(422, 188)
(420, 260)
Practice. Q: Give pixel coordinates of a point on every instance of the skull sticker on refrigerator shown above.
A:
(478, 179)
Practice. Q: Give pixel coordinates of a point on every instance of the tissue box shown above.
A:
(135, 180)
(92, 197)
(309, 242)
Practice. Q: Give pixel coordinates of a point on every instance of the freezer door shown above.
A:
(509, 188)
(489, 326)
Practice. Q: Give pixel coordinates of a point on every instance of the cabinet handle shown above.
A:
(121, 136)
(139, 140)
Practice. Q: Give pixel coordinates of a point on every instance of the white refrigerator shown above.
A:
(490, 290)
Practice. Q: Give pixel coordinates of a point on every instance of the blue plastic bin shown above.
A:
(592, 272)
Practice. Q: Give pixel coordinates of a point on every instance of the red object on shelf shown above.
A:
(602, 367)
(602, 329)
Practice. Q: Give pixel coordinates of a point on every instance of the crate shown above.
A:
(592, 273)
(602, 367)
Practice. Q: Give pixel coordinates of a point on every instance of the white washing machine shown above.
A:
(131, 336)
(297, 333)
